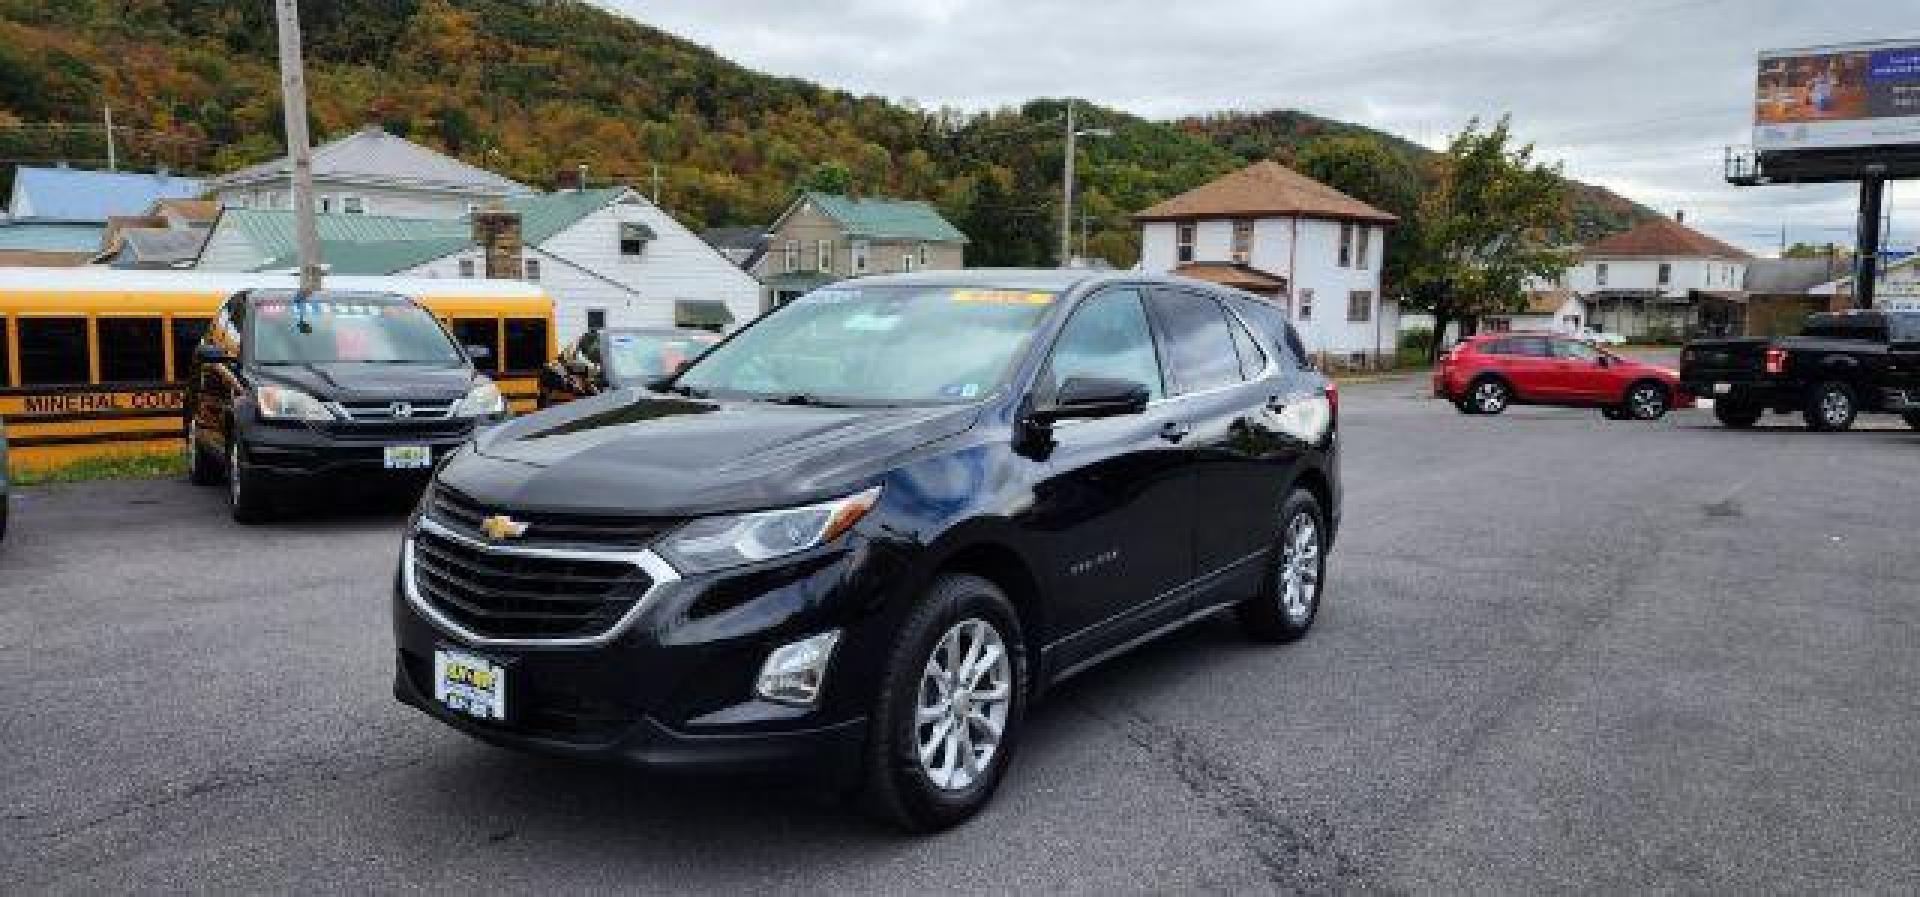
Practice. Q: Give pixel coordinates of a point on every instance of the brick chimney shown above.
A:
(497, 231)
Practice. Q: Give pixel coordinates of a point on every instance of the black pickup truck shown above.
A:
(1843, 364)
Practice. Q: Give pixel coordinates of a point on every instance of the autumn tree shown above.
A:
(1485, 229)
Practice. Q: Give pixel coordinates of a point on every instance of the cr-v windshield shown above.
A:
(322, 330)
(876, 345)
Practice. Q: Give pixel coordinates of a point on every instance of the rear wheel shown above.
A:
(1646, 401)
(1732, 416)
(1286, 607)
(247, 497)
(949, 708)
(1489, 395)
(1830, 407)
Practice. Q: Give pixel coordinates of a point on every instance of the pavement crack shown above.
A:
(1296, 848)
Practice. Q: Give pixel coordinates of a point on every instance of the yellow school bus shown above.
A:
(91, 359)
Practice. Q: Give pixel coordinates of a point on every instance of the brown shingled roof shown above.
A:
(1664, 237)
(1264, 189)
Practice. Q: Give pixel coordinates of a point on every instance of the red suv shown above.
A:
(1486, 373)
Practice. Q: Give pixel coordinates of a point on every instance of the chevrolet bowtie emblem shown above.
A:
(500, 527)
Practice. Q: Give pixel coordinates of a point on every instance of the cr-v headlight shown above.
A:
(717, 543)
(287, 403)
(483, 400)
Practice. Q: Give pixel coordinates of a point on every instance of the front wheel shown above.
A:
(949, 708)
(1286, 607)
(247, 497)
(1646, 401)
(1830, 407)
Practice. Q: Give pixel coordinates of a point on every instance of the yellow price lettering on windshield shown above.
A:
(1003, 297)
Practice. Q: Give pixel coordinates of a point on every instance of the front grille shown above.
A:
(403, 410)
(600, 531)
(498, 594)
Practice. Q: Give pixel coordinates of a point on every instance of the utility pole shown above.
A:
(293, 99)
(1066, 205)
(113, 159)
(1866, 262)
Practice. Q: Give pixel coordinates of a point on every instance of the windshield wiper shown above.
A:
(799, 399)
(681, 389)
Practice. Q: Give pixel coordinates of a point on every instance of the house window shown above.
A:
(596, 319)
(922, 262)
(1364, 250)
(1666, 274)
(633, 239)
(326, 204)
(823, 257)
(1183, 236)
(790, 255)
(353, 205)
(1346, 244)
(532, 268)
(1360, 305)
(860, 253)
(1242, 241)
(1600, 274)
(906, 262)
(466, 267)
(1306, 305)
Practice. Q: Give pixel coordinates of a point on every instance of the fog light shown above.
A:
(793, 673)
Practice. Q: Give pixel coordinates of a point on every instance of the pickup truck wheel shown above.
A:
(1830, 407)
(1912, 418)
(1646, 401)
(1735, 417)
(1489, 395)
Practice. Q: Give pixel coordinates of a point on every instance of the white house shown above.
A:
(371, 172)
(1662, 280)
(1557, 310)
(609, 257)
(1303, 245)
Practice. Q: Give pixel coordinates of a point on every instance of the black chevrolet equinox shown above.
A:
(854, 541)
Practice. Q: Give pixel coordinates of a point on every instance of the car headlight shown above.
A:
(483, 400)
(717, 543)
(287, 403)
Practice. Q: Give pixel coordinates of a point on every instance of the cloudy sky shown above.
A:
(1638, 95)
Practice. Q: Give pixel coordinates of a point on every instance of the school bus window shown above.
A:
(479, 332)
(187, 333)
(526, 344)
(6, 357)
(131, 350)
(53, 351)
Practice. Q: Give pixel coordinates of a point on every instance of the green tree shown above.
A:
(1485, 228)
(828, 177)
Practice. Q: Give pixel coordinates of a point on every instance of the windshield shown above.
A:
(876, 345)
(321, 330)
(644, 356)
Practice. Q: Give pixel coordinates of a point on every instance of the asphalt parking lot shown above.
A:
(1559, 654)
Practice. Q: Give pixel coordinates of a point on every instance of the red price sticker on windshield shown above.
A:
(1003, 297)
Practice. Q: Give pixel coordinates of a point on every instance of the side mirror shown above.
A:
(1083, 398)
(210, 353)
(479, 353)
(1605, 361)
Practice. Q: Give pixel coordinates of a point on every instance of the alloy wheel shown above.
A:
(966, 692)
(1300, 566)
(1647, 403)
(233, 473)
(1835, 406)
(1491, 397)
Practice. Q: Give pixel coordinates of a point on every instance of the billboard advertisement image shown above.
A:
(1862, 95)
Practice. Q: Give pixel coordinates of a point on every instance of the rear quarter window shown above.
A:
(1274, 331)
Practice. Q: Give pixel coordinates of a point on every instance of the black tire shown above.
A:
(1831, 407)
(1269, 616)
(1489, 395)
(1912, 418)
(247, 496)
(1646, 400)
(898, 788)
(1735, 417)
(200, 472)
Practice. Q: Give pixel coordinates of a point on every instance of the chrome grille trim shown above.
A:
(652, 564)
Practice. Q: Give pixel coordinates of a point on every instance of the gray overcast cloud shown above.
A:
(1639, 96)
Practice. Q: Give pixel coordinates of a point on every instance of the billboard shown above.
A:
(1860, 95)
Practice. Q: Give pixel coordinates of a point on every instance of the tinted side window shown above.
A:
(53, 351)
(1271, 321)
(1253, 359)
(1108, 337)
(132, 350)
(1199, 342)
(526, 344)
(479, 332)
(1533, 347)
(1575, 350)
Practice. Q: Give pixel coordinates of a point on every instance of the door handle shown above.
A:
(1174, 431)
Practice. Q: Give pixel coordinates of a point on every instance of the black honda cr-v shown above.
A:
(862, 534)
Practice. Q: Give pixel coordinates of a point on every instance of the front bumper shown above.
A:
(295, 455)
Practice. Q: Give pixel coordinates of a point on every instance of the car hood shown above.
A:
(636, 452)
(372, 382)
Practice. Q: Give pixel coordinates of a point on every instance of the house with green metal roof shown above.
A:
(825, 237)
(609, 257)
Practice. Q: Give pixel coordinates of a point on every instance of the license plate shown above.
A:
(409, 457)
(1721, 389)
(469, 684)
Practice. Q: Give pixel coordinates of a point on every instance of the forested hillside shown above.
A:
(531, 87)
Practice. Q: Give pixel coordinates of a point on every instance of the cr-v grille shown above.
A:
(602, 531)
(504, 594)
